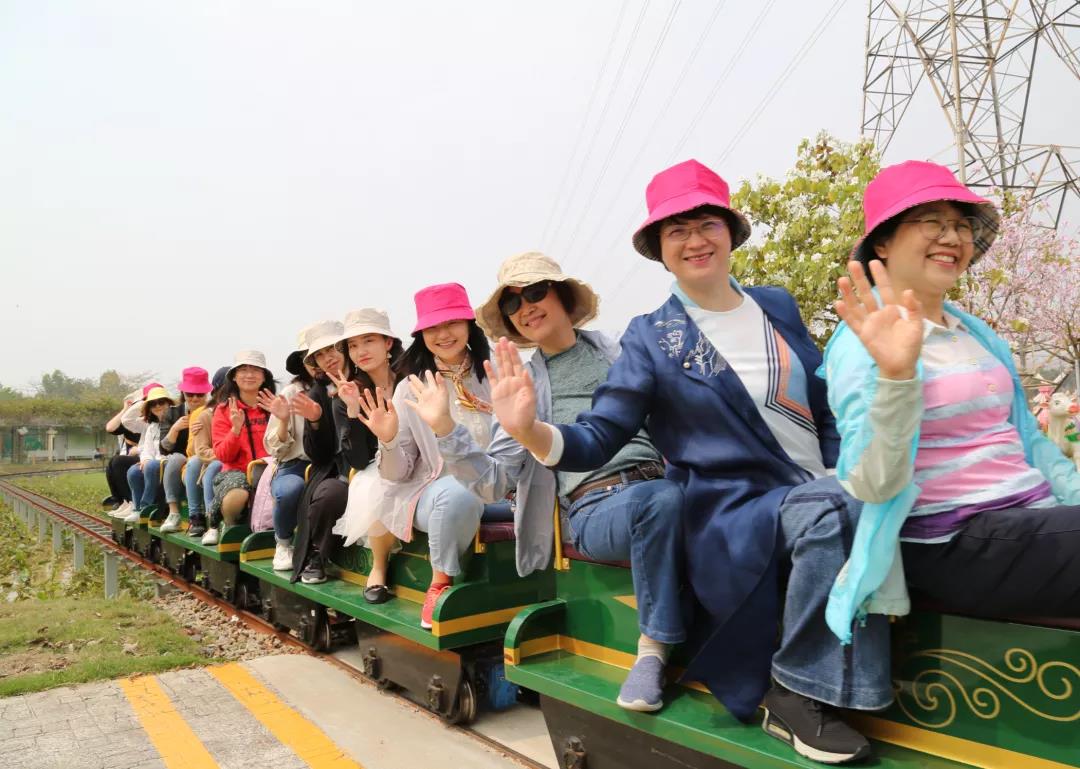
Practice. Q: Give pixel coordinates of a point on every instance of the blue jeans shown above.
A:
(640, 521)
(199, 493)
(451, 514)
(174, 481)
(144, 483)
(286, 487)
(817, 525)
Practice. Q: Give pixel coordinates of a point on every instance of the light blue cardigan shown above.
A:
(852, 376)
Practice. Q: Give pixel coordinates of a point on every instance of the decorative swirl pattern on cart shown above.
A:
(931, 698)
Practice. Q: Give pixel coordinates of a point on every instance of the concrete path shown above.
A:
(282, 712)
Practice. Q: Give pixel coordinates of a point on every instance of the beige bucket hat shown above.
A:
(368, 320)
(326, 333)
(249, 358)
(524, 270)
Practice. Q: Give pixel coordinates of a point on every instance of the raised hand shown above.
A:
(277, 405)
(236, 416)
(432, 402)
(181, 423)
(305, 407)
(379, 415)
(513, 397)
(349, 392)
(893, 341)
(197, 428)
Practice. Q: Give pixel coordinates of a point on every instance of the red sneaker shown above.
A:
(430, 600)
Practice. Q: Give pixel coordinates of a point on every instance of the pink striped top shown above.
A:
(970, 457)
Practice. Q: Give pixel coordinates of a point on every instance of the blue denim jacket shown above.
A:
(852, 377)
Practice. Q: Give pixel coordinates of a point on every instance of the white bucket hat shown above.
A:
(326, 333)
(249, 358)
(524, 270)
(369, 320)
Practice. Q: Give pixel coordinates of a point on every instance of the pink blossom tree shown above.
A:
(1027, 287)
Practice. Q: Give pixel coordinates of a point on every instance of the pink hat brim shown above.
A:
(196, 388)
(688, 202)
(443, 315)
(949, 193)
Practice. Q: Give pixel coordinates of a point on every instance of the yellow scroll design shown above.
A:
(935, 692)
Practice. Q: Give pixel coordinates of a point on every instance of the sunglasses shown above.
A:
(509, 302)
(162, 402)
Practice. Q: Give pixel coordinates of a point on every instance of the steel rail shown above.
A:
(100, 530)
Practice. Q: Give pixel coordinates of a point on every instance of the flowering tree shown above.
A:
(1027, 287)
(806, 224)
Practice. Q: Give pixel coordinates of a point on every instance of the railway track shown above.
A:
(99, 531)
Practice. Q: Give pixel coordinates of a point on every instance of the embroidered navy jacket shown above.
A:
(671, 379)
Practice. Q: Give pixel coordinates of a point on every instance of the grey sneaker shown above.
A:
(812, 728)
(644, 685)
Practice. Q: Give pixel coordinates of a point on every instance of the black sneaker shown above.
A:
(313, 573)
(812, 728)
(111, 502)
(197, 526)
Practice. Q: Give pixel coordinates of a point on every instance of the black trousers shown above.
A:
(327, 505)
(116, 475)
(1018, 562)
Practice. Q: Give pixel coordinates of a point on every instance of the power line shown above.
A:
(603, 113)
(584, 123)
(661, 115)
(642, 81)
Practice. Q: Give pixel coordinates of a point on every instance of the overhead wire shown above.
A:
(603, 113)
(643, 80)
(585, 122)
(661, 114)
(792, 65)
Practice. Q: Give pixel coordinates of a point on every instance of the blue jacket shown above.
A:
(671, 380)
(852, 379)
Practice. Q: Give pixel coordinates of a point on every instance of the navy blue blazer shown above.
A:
(670, 379)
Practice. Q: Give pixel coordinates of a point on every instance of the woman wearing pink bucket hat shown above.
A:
(964, 496)
(724, 377)
(448, 346)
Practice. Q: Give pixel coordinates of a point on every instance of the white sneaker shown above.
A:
(210, 537)
(172, 523)
(133, 516)
(122, 511)
(283, 557)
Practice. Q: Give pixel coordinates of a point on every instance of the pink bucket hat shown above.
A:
(904, 186)
(684, 187)
(441, 303)
(195, 380)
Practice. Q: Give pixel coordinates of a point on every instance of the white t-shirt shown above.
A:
(770, 371)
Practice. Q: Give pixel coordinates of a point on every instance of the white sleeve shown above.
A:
(555, 452)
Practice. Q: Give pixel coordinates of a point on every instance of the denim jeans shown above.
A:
(640, 521)
(817, 525)
(211, 473)
(451, 514)
(144, 483)
(287, 486)
(174, 481)
(195, 497)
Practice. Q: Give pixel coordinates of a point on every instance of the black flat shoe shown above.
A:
(377, 594)
(110, 501)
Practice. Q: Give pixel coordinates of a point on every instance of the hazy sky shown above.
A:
(182, 180)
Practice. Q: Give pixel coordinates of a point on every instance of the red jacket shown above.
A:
(236, 451)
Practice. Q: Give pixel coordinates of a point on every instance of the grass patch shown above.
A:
(74, 640)
(83, 491)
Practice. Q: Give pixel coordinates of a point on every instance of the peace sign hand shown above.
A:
(305, 407)
(893, 341)
(349, 392)
(277, 405)
(236, 416)
(379, 415)
(432, 402)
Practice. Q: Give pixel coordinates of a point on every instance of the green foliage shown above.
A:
(62, 400)
(810, 220)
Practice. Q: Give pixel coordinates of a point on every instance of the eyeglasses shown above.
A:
(189, 396)
(509, 302)
(709, 228)
(968, 228)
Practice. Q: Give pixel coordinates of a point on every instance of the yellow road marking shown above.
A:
(305, 739)
(173, 739)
